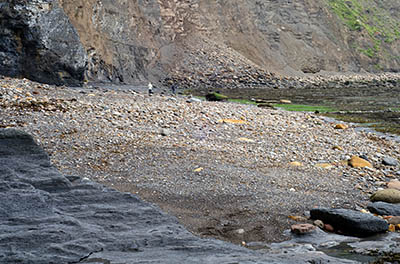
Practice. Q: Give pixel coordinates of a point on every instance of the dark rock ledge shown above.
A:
(46, 217)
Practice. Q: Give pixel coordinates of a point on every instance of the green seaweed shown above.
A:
(305, 108)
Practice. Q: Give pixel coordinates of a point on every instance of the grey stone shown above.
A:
(165, 132)
(39, 42)
(382, 208)
(193, 100)
(389, 161)
(46, 218)
(350, 222)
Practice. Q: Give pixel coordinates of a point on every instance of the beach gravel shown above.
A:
(217, 166)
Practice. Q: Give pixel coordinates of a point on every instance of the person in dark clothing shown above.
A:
(150, 86)
(173, 88)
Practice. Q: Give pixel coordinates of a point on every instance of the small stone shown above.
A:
(165, 132)
(390, 161)
(298, 218)
(239, 231)
(232, 121)
(301, 229)
(324, 166)
(296, 164)
(284, 101)
(388, 196)
(193, 100)
(198, 169)
(319, 223)
(394, 184)
(329, 228)
(357, 162)
(337, 148)
(246, 140)
(341, 126)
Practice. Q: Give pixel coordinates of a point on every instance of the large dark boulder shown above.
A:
(382, 208)
(37, 41)
(351, 222)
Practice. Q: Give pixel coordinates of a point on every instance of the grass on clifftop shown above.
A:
(368, 15)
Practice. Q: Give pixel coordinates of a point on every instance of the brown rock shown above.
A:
(395, 220)
(341, 126)
(324, 166)
(394, 184)
(296, 164)
(388, 196)
(329, 228)
(337, 148)
(357, 162)
(301, 229)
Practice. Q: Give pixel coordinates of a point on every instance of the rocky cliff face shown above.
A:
(131, 41)
(37, 41)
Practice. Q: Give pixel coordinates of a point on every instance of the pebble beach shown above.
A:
(225, 170)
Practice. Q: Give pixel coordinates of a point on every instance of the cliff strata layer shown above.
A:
(136, 41)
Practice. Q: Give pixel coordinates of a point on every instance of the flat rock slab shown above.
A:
(351, 222)
(46, 217)
(382, 208)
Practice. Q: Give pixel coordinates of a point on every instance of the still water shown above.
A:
(375, 107)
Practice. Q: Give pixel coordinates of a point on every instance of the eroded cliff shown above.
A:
(133, 41)
(159, 38)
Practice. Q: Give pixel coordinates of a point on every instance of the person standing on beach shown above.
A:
(173, 88)
(150, 86)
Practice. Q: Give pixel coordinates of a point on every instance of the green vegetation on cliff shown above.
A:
(371, 17)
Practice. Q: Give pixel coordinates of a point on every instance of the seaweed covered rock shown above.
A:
(216, 97)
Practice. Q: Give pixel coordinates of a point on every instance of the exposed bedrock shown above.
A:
(38, 42)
